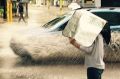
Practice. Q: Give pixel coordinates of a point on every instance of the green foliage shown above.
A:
(14, 10)
(1, 11)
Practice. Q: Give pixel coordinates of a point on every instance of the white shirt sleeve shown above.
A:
(87, 50)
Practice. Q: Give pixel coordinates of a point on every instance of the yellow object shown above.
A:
(61, 6)
(9, 10)
(48, 4)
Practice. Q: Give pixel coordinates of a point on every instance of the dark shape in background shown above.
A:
(110, 3)
(3, 5)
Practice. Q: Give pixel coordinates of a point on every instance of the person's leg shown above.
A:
(23, 18)
(20, 17)
(94, 73)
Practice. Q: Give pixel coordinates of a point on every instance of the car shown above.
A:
(48, 43)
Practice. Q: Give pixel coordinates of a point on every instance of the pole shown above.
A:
(9, 10)
(61, 6)
(48, 4)
(27, 10)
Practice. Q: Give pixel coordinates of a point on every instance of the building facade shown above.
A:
(83, 3)
(52, 2)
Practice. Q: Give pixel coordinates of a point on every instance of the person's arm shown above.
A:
(74, 43)
(83, 48)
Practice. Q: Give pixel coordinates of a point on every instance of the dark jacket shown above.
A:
(20, 8)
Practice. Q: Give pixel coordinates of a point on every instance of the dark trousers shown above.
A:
(21, 17)
(94, 73)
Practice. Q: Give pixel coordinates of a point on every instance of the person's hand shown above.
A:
(74, 43)
(72, 40)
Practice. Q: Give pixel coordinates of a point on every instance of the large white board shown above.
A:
(84, 27)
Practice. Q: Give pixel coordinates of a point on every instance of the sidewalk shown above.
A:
(1, 20)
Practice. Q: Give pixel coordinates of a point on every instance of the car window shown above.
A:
(53, 22)
(115, 28)
(112, 17)
(62, 26)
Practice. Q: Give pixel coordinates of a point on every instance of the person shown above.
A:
(95, 53)
(21, 12)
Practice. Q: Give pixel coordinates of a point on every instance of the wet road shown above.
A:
(12, 67)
